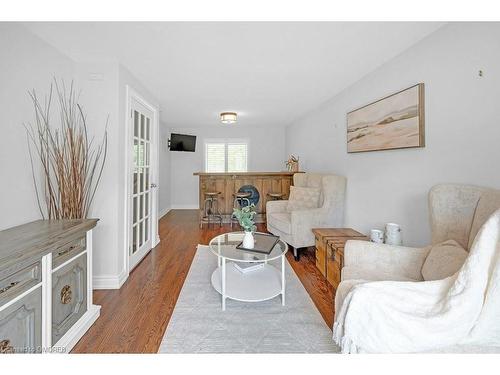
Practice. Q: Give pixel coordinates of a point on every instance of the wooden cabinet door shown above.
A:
(69, 296)
(21, 325)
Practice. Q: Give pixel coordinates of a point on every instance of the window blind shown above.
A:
(226, 157)
(215, 159)
(236, 157)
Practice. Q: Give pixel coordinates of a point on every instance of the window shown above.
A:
(226, 156)
(236, 157)
(215, 157)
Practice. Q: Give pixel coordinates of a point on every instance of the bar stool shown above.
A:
(239, 198)
(211, 211)
(275, 196)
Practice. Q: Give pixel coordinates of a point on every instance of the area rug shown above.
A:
(198, 325)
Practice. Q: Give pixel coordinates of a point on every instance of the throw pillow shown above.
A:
(443, 260)
(303, 198)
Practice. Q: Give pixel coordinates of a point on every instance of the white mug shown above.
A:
(392, 227)
(393, 234)
(377, 236)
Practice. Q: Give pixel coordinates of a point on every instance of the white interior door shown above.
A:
(142, 215)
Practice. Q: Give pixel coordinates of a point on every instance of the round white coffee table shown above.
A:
(254, 286)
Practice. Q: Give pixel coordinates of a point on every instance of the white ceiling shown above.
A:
(270, 73)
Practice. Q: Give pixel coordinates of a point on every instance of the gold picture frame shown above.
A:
(394, 122)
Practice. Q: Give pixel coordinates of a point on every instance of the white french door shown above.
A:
(142, 217)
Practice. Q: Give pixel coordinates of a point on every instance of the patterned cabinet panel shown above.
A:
(21, 325)
(69, 296)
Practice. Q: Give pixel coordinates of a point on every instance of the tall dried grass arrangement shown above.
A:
(70, 162)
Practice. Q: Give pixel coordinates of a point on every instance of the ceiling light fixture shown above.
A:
(228, 117)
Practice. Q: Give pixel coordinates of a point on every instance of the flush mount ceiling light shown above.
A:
(228, 117)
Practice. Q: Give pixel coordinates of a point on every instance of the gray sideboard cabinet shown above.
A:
(46, 286)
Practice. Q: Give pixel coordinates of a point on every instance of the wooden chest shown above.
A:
(321, 236)
(335, 253)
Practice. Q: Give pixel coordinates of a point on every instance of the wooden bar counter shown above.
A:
(229, 183)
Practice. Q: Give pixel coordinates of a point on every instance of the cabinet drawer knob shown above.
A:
(66, 250)
(66, 294)
(5, 347)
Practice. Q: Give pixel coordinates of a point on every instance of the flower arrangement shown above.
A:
(292, 164)
(245, 216)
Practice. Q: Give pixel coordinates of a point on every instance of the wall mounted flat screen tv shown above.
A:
(182, 142)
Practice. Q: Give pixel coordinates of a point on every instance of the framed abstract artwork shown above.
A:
(396, 121)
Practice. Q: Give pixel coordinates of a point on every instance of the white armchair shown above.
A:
(384, 286)
(295, 227)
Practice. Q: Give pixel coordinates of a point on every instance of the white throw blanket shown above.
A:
(390, 316)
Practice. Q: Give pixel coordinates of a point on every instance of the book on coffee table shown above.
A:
(264, 243)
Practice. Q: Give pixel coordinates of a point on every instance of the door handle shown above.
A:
(153, 185)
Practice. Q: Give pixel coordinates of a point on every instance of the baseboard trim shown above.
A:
(184, 207)
(109, 281)
(75, 333)
(122, 277)
(163, 212)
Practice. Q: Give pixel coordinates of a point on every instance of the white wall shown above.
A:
(27, 62)
(98, 83)
(462, 130)
(165, 172)
(266, 152)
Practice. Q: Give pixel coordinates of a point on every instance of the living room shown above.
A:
(249, 187)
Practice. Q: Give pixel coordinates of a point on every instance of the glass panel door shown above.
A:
(141, 189)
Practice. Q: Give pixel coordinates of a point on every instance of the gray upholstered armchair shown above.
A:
(294, 227)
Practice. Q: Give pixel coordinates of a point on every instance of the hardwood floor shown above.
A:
(134, 318)
(320, 291)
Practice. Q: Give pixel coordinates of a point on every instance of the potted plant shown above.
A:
(245, 217)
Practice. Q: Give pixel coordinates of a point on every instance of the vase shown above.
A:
(377, 236)
(293, 166)
(393, 234)
(248, 241)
